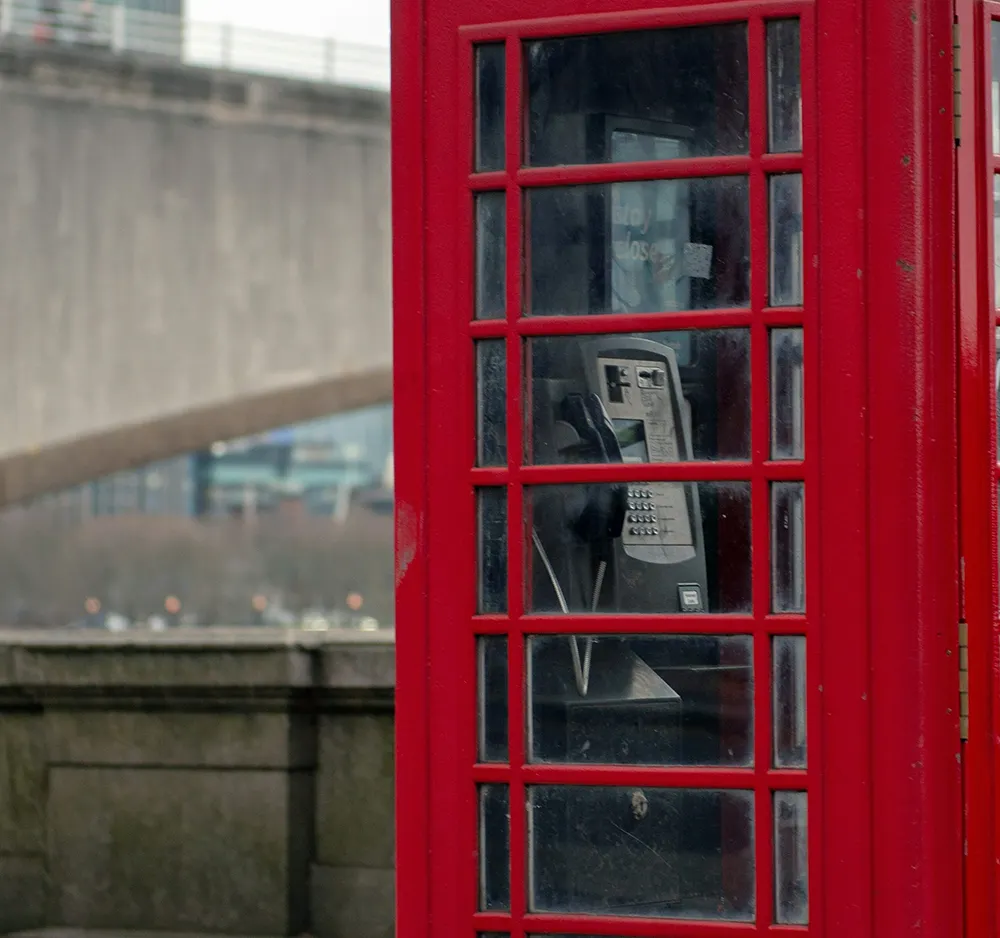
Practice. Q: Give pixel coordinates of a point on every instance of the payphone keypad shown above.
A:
(657, 515)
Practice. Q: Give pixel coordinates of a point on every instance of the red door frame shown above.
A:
(976, 165)
(883, 698)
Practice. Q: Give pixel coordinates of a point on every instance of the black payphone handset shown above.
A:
(635, 547)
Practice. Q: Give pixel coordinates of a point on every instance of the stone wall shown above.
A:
(216, 783)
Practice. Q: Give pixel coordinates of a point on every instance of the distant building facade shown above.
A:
(154, 27)
(321, 468)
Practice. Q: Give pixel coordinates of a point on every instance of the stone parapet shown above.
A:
(230, 782)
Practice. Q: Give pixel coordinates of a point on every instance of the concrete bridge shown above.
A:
(185, 256)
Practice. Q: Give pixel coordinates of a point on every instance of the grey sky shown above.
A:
(361, 21)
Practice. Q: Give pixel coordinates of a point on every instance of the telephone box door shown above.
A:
(639, 658)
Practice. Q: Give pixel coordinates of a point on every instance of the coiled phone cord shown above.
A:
(581, 669)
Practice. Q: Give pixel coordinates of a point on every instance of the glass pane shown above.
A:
(641, 699)
(663, 852)
(786, 240)
(492, 661)
(995, 82)
(788, 573)
(788, 690)
(491, 255)
(491, 397)
(784, 86)
(490, 107)
(791, 858)
(654, 94)
(653, 547)
(494, 848)
(669, 397)
(638, 247)
(787, 439)
(492, 512)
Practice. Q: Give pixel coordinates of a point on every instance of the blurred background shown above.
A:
(194, 240)
(197, 661)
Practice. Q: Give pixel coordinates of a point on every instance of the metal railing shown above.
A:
(114, 26)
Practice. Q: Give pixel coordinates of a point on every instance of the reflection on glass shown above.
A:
(662, 852)
(786, 240)
(788, 574)
(492, 517)
(638, 247)
(491, 397)
(670, 397)
(491, 259)
(494, 848)
(791, 858)
(641, 700)
(784, 87)
(787, 431)
(688, 84)
(490, 107)
(492, 668)
(651, 547)
(995, 82)
(788, 689)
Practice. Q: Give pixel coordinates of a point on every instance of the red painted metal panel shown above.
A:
(977, 429)
(841, 662)
(916, 794)
(413, 749)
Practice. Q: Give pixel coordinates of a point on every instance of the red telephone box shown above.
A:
(696, 379)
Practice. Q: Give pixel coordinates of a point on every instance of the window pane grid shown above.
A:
(602, 323)
(667, 776)
(702, 471)
(536, 925)
(761, 430)
(692, 167)
(643, 623)
(762, 624)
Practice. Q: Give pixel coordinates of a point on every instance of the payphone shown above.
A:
(615, 399)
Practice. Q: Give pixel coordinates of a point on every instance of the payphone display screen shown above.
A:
(642, 417)
(631, 436)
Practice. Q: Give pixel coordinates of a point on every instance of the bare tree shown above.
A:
(131, 564)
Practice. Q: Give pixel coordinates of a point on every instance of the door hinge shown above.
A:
(956, 51)
(963, 680)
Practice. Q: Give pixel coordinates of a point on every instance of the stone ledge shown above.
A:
(235, 638)
(100, 933)
(162, 82)
(251, 669)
